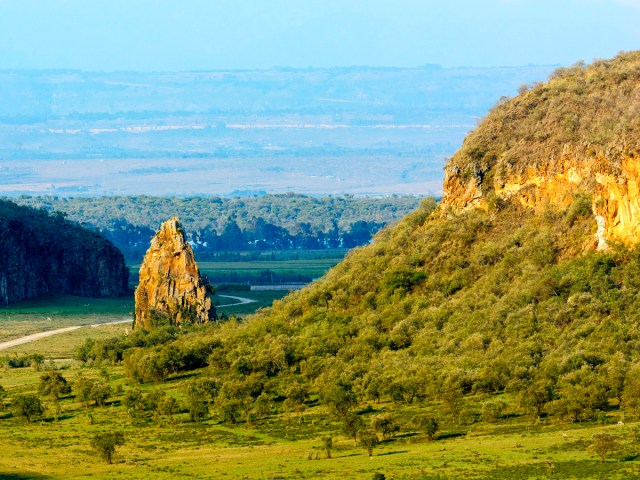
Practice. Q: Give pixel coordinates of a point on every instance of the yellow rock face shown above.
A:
(614, 185)
(170, 287)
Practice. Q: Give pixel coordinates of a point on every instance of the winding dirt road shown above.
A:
(241, 301)
(39, 336)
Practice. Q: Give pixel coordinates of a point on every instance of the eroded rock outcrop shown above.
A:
(579, 134)
(171, 289)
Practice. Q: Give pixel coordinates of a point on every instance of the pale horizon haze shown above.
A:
(161, 35)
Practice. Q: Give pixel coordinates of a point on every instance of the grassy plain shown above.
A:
(279, 445)
(47, 314)
(50, 313)
(271, 267)
(282, 446)
(290, 447)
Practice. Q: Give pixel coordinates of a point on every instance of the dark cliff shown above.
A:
(42, 254)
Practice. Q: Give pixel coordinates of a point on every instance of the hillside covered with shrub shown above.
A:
(503, 294)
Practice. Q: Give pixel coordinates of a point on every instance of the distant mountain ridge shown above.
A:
(277, 131)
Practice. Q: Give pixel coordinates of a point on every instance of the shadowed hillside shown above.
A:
(48, 255)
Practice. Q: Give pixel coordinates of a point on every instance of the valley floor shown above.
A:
(289, 447)
(276, 445)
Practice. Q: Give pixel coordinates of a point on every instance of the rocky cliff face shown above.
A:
(47, 255)
(578, 134)
(171, 289)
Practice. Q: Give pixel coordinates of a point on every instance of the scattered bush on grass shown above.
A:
(105, 444)
(603, 444)
(27, 406)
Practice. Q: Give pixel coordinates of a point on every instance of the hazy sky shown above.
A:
(222, 34)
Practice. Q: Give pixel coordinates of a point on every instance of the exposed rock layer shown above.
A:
(48, 255)
(575, 135)
(171, 289)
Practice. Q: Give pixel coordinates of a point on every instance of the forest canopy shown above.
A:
(215, 224)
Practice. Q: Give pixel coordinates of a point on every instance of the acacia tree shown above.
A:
(166, 407)
(105, 444)
(428, 425)
(603, 444)
(328, 445)
(54, 385)
(385, 424)
(368, 441)
(133, 403)
(352, 425)
(27, 406)
(340, 398)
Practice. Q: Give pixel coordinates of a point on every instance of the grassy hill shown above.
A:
(493, 320)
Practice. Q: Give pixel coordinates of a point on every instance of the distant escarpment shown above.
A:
(578, 134)
(171, 289)
(42, 254)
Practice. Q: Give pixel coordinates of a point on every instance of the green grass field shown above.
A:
(298, 266)
(280, 446)
(50, 313)
(277, 445)
(289, 447)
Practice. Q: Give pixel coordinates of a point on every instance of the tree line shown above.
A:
(215, 224)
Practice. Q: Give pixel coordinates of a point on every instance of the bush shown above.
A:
(428, 425)
(105, 444)
(368, 441)
(492, 411)
(603, 444)
(53, 384)
(27, 406)
(384, 424)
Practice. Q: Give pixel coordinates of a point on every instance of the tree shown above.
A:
(368, 441)
(428, 425)
(297, 394)
(27, 406)
(492, 410)
(352, 425)
(327, 442)
(197, 396)
(384, 424)
(53, 384)
(340, 398)
(105, 444)
(167, 407)
(603, 444)
(631, 392)
(99, 393)
(82, 387)
(133, 403)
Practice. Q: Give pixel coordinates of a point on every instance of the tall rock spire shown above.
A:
(171, 289)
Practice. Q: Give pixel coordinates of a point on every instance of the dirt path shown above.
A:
(38, 336)
(241, 301)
